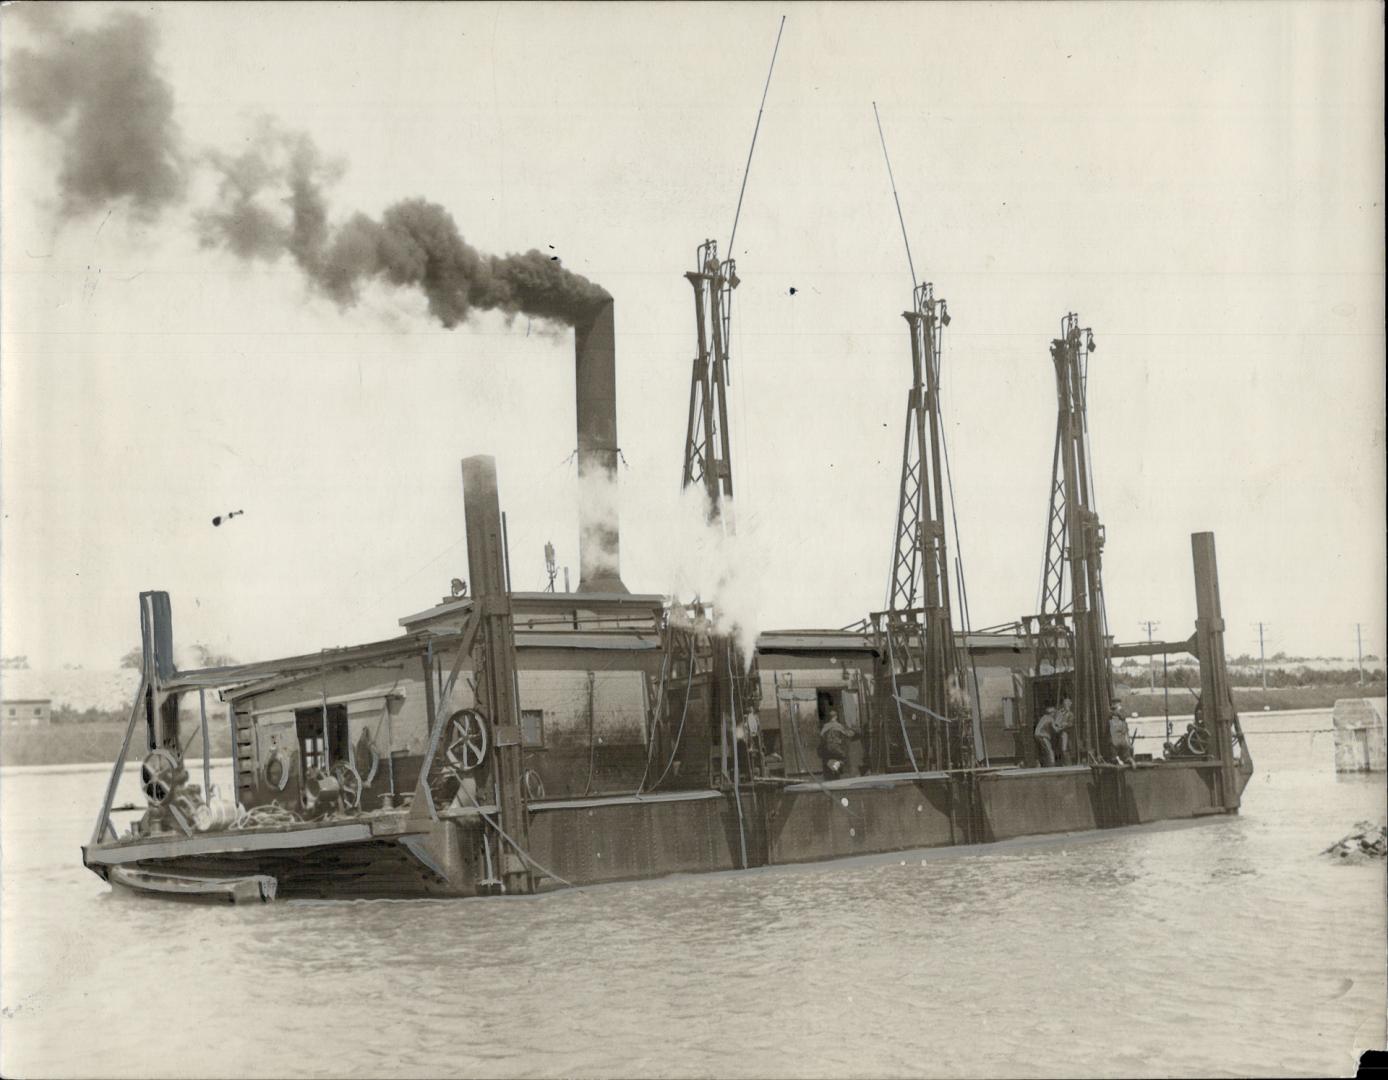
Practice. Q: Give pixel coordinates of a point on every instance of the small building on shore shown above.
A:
(26, 712)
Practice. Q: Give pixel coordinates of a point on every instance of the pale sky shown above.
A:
(1203, 183)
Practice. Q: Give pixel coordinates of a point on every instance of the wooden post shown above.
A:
(1217, 702)
(103, 818)
(156, 646)
(206, 748)
(422, 808)
(498, 693)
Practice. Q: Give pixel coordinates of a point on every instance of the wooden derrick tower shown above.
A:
(708, 465)
(707, 453)
(1070, 633)
(916, 630)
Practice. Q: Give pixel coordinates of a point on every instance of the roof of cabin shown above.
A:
(523, 604)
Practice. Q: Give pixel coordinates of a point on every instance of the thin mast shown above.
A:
(747, 170)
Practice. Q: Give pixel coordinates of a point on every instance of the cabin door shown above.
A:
(322, 734)
(797, 711)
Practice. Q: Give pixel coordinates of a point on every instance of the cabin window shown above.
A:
(321, 745)
(13, 712)
(38, 710)
(532, 727)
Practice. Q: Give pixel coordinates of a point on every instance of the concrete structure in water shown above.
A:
(1359, 735)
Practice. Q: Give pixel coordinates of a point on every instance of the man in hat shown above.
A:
(1045, 732)
(833, 745)
(1064, 721)
(1120, 738)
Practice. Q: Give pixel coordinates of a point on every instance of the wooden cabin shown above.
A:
(596, 687)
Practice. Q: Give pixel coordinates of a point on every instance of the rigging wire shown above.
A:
(899, 216)
(684, 714)
(896, 696)
(592, 735)
(507, 837)
(654, 719)
(737, 776)
(960, 587)
(748, 168)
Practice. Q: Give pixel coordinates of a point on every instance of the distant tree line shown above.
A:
(1187, 676)
(205, 657)
(1282, 658)
(66, 714)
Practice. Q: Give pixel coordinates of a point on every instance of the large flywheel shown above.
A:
(468, 740)
(160, 775)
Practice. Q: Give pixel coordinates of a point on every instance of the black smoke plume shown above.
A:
(99, 91)
(271, 201)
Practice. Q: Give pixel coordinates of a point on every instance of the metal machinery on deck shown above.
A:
(915, 633)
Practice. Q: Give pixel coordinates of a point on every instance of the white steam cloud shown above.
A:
(720, 566)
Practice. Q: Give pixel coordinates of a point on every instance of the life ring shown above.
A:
(366, 747)
(534, 785)
(275, 771)
(1195, 742)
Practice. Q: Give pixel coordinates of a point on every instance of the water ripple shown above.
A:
(1223, 948)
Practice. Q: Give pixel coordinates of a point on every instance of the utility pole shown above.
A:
(1359, 644)
(1262, 656)
(1151, 656)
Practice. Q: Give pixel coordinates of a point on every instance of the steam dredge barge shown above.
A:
(514, 742)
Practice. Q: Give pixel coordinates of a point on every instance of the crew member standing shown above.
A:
(833, 746)
(1120, 739)
(1045, 731)
(1064, 721)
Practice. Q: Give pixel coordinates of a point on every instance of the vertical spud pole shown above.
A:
(487, 571)
(1217, 703)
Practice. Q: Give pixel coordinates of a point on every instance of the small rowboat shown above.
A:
(250, 889)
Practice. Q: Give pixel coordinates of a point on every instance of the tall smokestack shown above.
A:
(595, 389)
